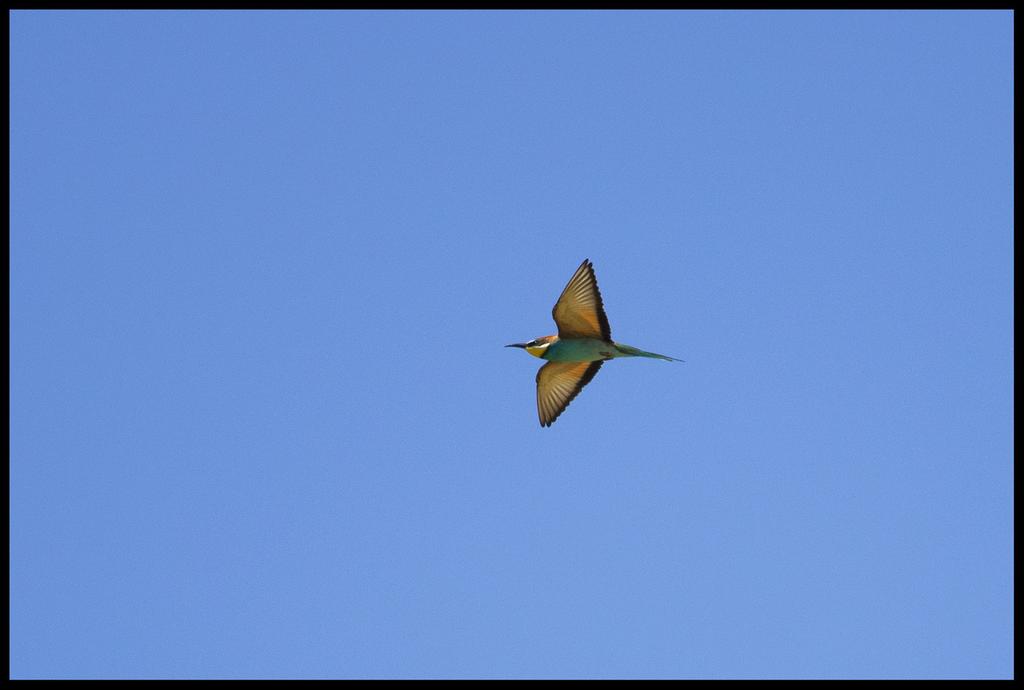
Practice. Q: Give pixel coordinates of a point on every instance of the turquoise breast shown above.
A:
(579, 350)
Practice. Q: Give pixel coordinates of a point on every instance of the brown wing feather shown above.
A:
(558, 383)
(579, 312)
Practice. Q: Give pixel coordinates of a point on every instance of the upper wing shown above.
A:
(558, 383)
(579, 312)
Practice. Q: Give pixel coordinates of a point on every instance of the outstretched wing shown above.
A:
(579, 312)
(558, 383)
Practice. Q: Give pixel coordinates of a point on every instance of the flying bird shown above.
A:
(584, 342)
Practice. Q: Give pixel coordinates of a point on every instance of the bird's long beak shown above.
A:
(522, 345)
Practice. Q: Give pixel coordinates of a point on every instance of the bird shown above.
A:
(584, 342)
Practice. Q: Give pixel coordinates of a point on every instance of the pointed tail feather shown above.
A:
(636, 352)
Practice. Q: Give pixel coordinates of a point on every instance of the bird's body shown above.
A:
(582, 345)
(587, 350)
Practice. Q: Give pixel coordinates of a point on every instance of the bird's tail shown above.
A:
(629, 351)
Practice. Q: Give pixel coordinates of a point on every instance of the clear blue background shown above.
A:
(263, 266)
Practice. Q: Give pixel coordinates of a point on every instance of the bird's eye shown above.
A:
(532, 343)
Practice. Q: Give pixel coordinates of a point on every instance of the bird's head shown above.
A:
(538, 346)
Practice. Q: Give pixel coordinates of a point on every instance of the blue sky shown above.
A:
(263, 266)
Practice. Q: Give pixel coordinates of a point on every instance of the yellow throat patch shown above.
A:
(537, 351)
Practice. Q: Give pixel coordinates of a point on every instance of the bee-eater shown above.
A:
(584, 342)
